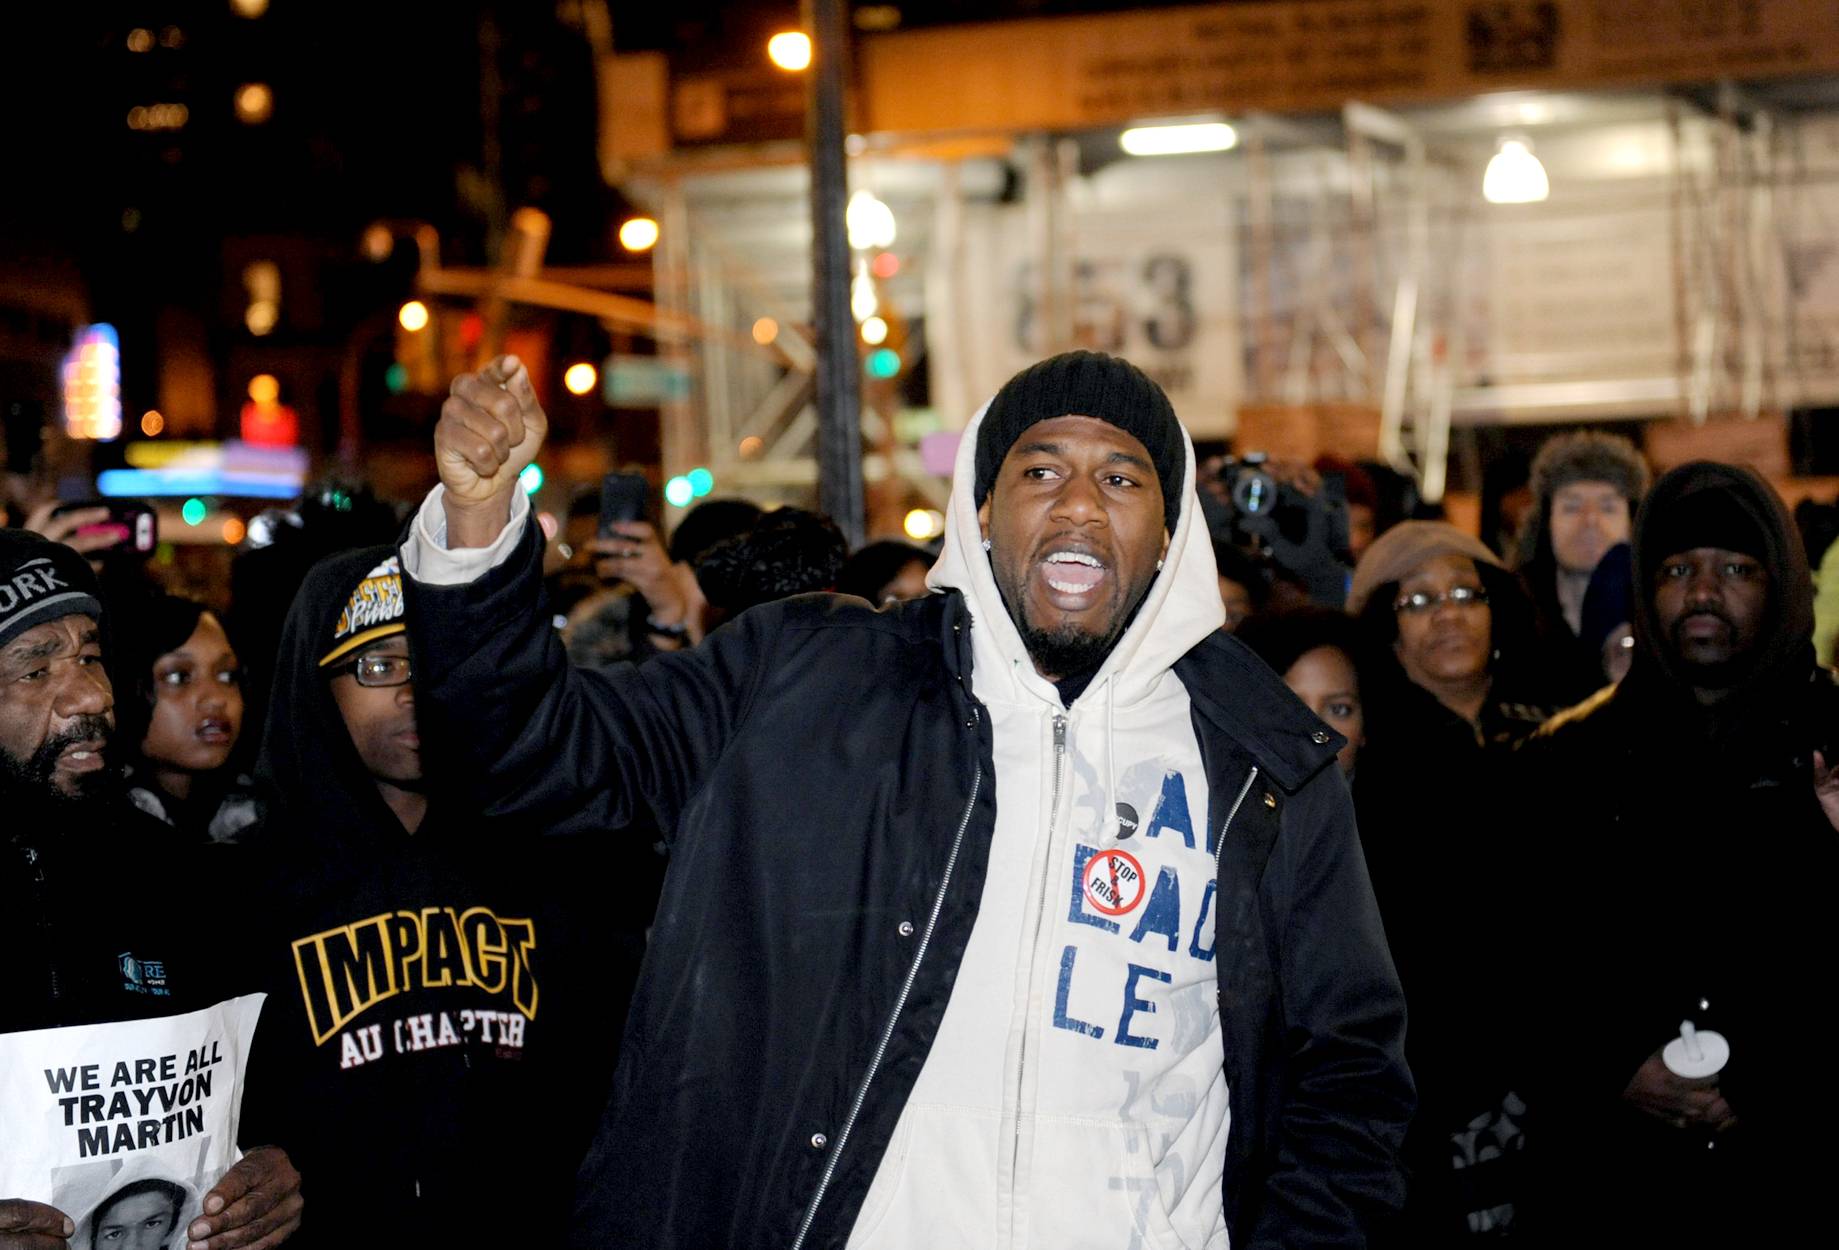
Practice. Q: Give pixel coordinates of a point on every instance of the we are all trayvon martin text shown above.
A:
(146, 1102)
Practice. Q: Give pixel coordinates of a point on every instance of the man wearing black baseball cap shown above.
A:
(1038, 892)
(103, 914)
(1682, 825)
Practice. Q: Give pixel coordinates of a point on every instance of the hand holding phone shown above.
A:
(99, 526)
(622, 499)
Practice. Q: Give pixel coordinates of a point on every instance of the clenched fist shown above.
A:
(491, 427)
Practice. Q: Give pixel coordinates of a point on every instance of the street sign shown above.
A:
(642, 381)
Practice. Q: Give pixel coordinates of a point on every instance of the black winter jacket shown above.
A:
(823, 774)
(1677, 866)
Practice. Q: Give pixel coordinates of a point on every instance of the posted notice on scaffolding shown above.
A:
(130, 1121)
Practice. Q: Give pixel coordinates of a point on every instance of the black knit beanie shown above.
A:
(1085, 384)
(41, 581)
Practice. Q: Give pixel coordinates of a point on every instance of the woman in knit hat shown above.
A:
(1444, 632)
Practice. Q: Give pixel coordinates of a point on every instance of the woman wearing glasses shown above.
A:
(1445, 630)
(179, 717)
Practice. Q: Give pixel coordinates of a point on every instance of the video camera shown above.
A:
(1297, 534)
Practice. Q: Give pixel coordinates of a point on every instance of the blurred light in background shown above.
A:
(580, 378)
(264, 388)
(140, 39)
(173, 470)
(863, 302)
(884, 363)
(531, 479)
(765, 330)
(678, 492)
(194, 511)
(396, 378)
(701, 481)
(91, 379)
(638, 234)
(151, 422)
(877, 17)
(262, 285)
(1514, 175)
(1178, 140)
(790, 50)
(870, 222)
(249, 8)
(752, 446)
(413, 316)
(234, 531)
(885, 265)
(874, 331)
(378, 242)
(924, 523)
(255, 103)
(158, 117)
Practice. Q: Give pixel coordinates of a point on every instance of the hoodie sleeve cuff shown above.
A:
(427, 558)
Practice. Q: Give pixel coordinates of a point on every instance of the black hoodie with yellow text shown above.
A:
(445, 1006)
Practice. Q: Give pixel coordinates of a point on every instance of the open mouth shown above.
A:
(1073, 573)
(214, 731)
(81, 757)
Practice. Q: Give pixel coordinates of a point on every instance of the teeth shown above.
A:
(1074, 557)
(1067, 588)
(81, 755)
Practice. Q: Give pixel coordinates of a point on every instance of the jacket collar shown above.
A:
(1238, 695)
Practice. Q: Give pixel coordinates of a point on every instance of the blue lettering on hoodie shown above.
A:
(1172, 810)
(1160, 914)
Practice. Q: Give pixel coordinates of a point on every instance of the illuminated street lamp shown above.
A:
(255, 103)
(638, 234)
(790, 50)
(580, 378)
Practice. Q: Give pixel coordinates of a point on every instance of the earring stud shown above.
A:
(986, 544)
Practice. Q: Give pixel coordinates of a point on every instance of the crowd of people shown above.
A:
(1089, 880)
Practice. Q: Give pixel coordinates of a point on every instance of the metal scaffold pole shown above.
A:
(839, 394)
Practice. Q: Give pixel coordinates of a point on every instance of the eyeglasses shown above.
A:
(1419, 602)
(377, 670)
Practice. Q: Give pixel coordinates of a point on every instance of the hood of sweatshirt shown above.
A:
(1783, 655)
(1179, 610)
(308, 763)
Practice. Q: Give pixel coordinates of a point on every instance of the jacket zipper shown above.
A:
(1219, 849)
(1034, 948)
(900, 1004)
(42, 921)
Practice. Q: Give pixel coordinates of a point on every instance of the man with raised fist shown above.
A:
(1028, 912)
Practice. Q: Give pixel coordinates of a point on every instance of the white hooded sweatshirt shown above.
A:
(1074, 1096)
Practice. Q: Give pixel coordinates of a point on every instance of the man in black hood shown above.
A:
(1694, 791)
(443, 1008)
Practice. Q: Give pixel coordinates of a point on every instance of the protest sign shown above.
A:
(130, 1122)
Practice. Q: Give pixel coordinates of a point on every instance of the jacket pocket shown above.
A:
(936, 1183)
(1123, 1186)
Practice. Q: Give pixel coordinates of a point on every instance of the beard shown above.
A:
(1722, 674)
(1068, 649)
(31, 779)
